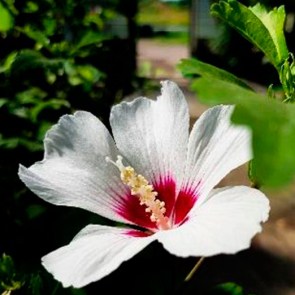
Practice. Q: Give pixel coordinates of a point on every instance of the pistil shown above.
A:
(145, 192)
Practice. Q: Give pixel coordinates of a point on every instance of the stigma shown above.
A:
(145, 192)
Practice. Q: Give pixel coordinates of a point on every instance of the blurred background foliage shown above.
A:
(60, 56)
(55, 57)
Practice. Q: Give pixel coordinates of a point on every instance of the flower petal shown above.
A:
(225, 223)
(74, 171)
(216, 147)
(153, 135)
(94, 253)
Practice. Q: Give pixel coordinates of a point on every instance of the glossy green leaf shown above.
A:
(191, 66)
(264, 29)
(274, 21)
(272, 124)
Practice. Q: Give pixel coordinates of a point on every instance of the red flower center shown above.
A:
(177, 207)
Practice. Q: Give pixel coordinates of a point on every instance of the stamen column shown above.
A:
(145, 192)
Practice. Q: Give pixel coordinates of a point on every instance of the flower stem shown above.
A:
(194, 269)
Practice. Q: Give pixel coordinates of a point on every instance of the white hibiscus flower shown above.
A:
(153, 175)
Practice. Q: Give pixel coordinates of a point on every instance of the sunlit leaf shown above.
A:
(78, 74)
(35, 35)
(31, 7)
(264, 29)
(89, 38)
(96, 19)
(89, 73)
(274, 21)
(5, 66)
(3, 101)
(191, 67)
(6, 19)
(32, 95)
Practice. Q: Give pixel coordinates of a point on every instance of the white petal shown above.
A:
(74, 171)
(216, 147)
(94, 253)
(225, 223)
(153, 135)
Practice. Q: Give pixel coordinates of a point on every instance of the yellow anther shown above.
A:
(140, 187)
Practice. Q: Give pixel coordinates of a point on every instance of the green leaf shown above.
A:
(35, 35)
(33, 95)
(231, 288)
(3, 102)
(31, 7)
(6, 19)
(6, 265)
(14, 142)
(264, 29)
(35, 210)
(35, 284)
(77, 291)
(90, 38)
(79, 74)
(31, 59)
(274, 21)
(89, 73)
(9, 280)
(50, 104)
(287, 78)
(49, 25)
(192, 66)
(272, 124)
(6, 65)
(228, 289)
